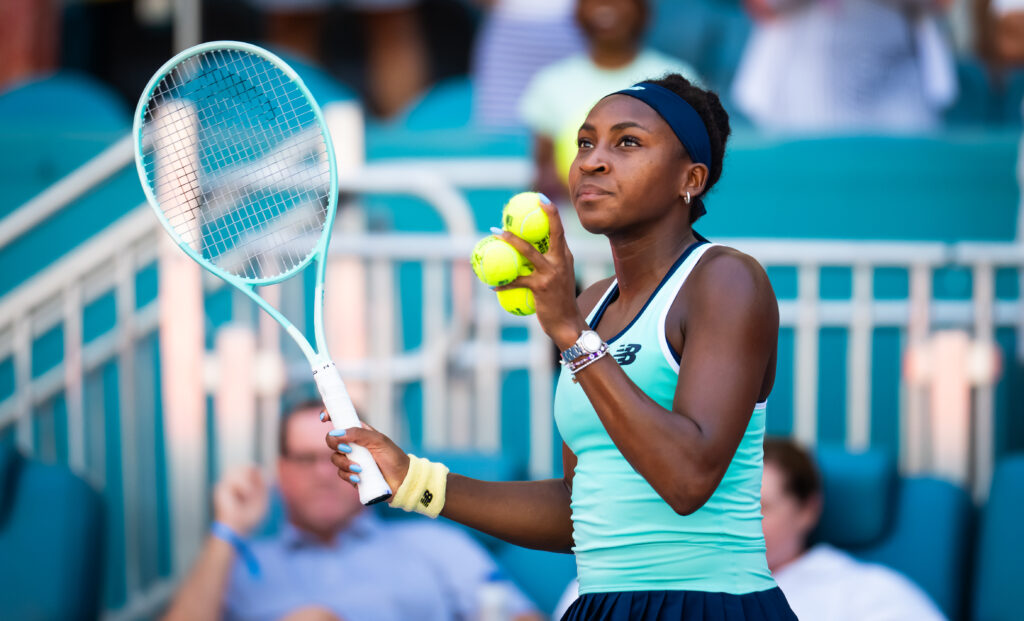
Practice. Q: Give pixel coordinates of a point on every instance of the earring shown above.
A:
(687, 197)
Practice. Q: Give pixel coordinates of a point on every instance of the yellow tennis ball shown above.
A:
(524, 217)
(517, 301)
(495, 262)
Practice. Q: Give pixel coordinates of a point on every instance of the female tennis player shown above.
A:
(661, 398)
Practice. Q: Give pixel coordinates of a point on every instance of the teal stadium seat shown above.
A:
(1013, 98)
(919, 526)
(48, 128)
(976, 103)
(440, 124)
(51, 541)
(868, 187)
(323, 86)
(51, 125)
(708, 34)
(1000, 552)
(543, 576)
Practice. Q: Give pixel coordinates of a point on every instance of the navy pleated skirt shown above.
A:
(770, 605)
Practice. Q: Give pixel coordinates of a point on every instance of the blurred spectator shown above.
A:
(1003, 33)
(558, 98)
(822, 582)
(846, 65)
(332, 560)
(516, 38)
(397, 56)
(29, 39)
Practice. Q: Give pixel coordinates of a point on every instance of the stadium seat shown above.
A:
(918, 526)
(55, 520)
(42, 138)
(1013, 98)
(975, 103)
(322, 85)
(543, 576)
(997, 576)
(447, 105)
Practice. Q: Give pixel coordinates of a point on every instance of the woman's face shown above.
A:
(612, 22)
(786, 522)
(629, 169)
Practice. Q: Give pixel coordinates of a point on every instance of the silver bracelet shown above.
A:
(578, 365)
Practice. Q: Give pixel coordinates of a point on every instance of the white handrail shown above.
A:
(64, 192)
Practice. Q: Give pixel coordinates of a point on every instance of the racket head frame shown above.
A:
(316, 355)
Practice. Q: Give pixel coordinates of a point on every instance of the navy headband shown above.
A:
(686, 124)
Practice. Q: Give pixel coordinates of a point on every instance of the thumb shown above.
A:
(365, 437)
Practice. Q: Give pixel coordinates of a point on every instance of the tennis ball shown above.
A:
(517, 301)
(524, 218)
(495, 262)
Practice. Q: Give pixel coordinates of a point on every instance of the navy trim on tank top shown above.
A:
(615, 291)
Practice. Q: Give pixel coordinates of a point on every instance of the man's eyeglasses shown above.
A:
(307, 460)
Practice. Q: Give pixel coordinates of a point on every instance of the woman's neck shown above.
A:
(642, 260)
(613, 56)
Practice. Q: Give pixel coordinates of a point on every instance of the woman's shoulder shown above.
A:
(724, 271)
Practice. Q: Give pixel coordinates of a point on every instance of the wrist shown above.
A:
(235, 525)
(220, 530)
(423, 488)
(566, 337)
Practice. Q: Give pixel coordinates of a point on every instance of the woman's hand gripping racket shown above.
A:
(236, 160)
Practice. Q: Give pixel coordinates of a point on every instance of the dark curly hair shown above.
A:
(801, 477)
(716, 120)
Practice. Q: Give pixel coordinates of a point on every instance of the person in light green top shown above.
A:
(662, 398)
(558, 98)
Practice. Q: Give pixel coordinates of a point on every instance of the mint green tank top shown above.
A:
(627, 538)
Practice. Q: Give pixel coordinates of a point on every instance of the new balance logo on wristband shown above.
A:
(626, 353)
(427, 497)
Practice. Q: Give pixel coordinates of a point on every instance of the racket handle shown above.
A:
(372, 486)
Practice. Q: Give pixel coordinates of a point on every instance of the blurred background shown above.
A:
(873, 170)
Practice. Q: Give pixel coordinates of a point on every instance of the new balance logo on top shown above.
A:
(626, 353)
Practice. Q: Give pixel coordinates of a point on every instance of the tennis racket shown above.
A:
(236, 160)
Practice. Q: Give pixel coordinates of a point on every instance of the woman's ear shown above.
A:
(694, 179)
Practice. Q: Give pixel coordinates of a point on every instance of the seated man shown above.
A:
(822, 582)
(332, 560)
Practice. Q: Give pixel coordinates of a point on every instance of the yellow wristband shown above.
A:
(423, 489)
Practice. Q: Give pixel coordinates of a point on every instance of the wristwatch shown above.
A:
(589, 342)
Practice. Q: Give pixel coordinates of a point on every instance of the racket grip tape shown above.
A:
(372, 486)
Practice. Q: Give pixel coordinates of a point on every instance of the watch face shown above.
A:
(590, 341)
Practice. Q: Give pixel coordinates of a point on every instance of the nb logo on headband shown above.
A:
(635, 88)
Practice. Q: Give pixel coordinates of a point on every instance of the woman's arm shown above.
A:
(731, 329)
(532, 514)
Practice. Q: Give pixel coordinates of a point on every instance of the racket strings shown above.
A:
(236, 158)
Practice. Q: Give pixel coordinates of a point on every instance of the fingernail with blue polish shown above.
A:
(355, 468)
(344, 448)
(496, 231)
(323, 415)
(336, 432)
(354, 478)
(544, 199)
